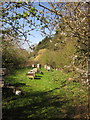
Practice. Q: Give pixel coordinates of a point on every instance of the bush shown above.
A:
(13, 56)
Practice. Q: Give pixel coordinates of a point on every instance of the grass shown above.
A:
(47, 97)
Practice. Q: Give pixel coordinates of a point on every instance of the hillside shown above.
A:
(51, 43)
(57, 51)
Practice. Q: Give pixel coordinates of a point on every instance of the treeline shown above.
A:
(12, 55)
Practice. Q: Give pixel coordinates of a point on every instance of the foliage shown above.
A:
(15, 12)
(69, 17)
(46, 96)
(12, 14)
(12, 55)
(70, 20)
(57, 53)
(43, 44)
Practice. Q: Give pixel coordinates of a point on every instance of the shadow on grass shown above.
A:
(8, 89)
(37, 77)
(7, 92)
(38, 106)
(16, 84)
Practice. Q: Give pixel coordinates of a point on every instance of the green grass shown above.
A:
(48, 97)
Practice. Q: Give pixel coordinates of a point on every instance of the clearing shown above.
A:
(48, 97)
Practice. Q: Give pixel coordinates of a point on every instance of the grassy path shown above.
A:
(48, 97)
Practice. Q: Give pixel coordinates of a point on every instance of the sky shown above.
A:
(36, 36)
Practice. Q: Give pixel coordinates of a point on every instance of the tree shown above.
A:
(69, 18)
(12, 55)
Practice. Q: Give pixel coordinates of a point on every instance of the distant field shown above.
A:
(48, 97)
